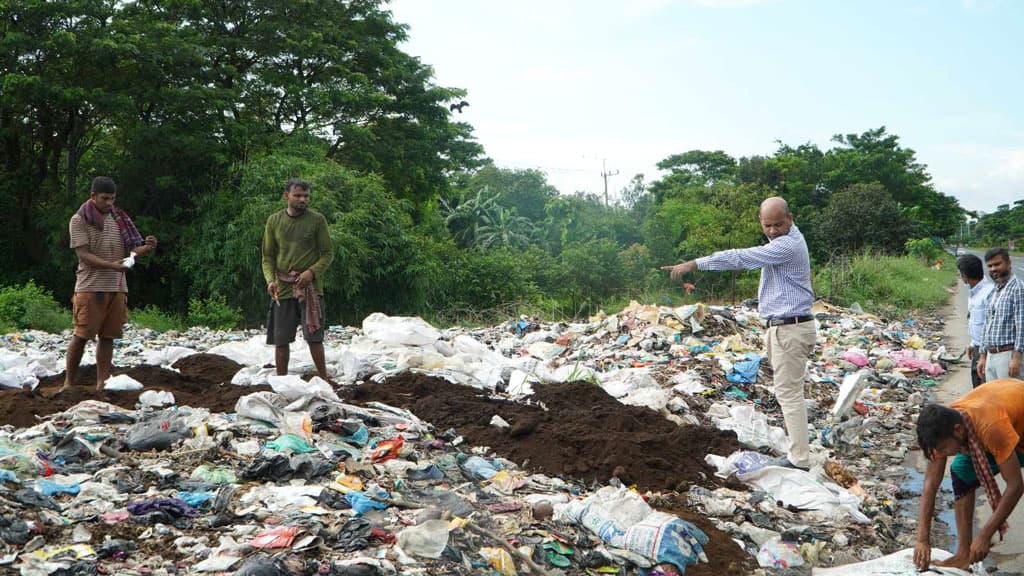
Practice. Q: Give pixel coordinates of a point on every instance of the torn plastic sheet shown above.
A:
(896, 564)
(752, 428)
(851, 388)
(801, 490)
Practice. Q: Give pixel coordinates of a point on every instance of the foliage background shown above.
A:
(201, 111)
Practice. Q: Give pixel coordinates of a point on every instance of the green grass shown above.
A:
(155, 319)
(885, 285)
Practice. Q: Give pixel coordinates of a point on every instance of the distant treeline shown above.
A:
(202, 110)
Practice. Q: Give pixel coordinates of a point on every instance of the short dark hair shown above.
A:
(970, 267)
(993, 252)
(103, 185)
(935, 424)
(296, 183)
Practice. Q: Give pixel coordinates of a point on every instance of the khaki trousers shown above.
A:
(788, 348)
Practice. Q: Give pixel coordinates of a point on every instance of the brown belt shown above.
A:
(998, 349)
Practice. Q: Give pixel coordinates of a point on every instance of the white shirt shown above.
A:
(977, 302)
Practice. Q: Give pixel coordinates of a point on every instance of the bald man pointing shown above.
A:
(784, 302)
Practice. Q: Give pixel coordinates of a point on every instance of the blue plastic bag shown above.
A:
(47, 488)
(745, 371)
(196, 499)
(362, 503)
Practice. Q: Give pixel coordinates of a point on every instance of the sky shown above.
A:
(577, 88)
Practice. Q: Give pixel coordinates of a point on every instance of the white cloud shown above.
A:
(980, 176)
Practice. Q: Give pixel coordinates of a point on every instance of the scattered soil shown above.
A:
(573, 429)
(204, 382)
(584, 433)
(725, 557)
(207, 368)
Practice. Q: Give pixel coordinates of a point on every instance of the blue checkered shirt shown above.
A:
(785, 288)
(1004, 319)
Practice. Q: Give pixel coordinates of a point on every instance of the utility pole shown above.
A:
(605, 174)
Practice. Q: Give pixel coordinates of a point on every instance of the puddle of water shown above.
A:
(914, 483)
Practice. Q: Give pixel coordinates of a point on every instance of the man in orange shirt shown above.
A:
(983, 432)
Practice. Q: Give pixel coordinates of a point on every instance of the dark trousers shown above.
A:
(975, 379)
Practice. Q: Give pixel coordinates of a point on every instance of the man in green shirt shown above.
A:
(296, 252)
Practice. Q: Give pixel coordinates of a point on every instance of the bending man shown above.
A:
(982, 432)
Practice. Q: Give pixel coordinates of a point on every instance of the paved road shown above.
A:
(1017, 262)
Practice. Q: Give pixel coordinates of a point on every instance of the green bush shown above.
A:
(213, 312)
(31, 307)
(924, 248)
(483, 286)
(155, 319)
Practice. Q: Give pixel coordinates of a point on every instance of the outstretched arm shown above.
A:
(932, 478)
(1010, 470)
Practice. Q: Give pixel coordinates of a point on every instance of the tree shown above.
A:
(876, 156)
(634, 192)
(701, 166)
(504, 229)
(859, 217)
(525, 191)
(465, 219)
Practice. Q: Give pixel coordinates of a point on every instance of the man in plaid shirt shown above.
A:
(784, 298)
(1003, 338)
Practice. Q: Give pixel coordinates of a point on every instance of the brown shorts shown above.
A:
(100, 314)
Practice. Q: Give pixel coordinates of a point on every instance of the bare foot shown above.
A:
(958, 560)
(59, 391)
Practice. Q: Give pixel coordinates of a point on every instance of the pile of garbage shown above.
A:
(634, 443)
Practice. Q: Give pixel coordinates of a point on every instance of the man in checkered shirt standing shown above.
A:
(1003, 338)
(785, 297)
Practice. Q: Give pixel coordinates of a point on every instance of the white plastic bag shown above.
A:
(689, 382)
(399, 330)
(779, 554)
(426, 540)
(167, 355)
(122, 382)
(253, 376)
(621, 382)
(752, 428)
(156, 398)
(293, 387)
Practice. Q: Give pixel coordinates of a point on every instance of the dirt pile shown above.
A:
(584, 432)
(204, 382)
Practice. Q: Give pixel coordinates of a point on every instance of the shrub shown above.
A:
(924, 248)
(29, 306)
(155, 319)
(483, 286)
(213, 312)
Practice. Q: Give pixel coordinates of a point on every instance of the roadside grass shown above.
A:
(885, 285)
